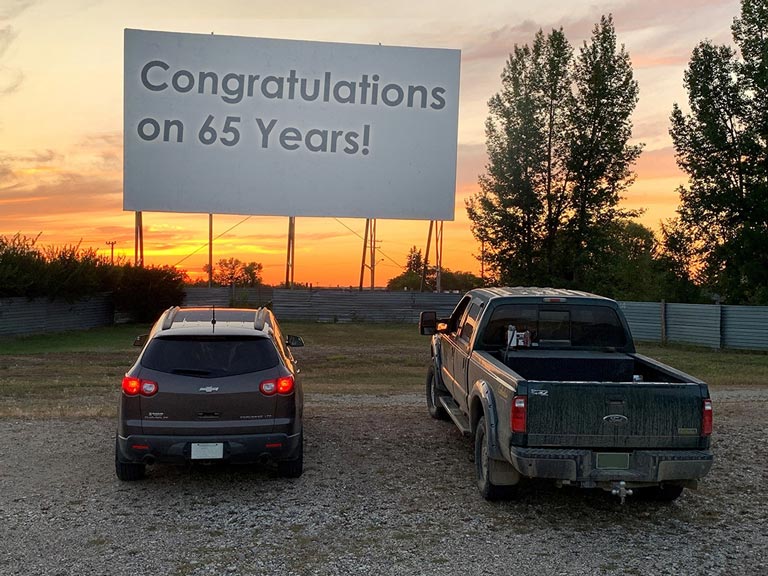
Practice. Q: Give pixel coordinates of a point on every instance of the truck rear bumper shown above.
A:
(643, 466)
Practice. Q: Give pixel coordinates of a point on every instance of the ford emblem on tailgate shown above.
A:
(615, 419)
(210, 389)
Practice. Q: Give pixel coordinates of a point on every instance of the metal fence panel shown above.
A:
(644, 319)
(694, 324)
(745, 327)
(22, 316)
(356, 306)
(222, 296)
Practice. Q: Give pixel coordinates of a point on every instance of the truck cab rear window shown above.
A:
(210, 356)
(564, 326)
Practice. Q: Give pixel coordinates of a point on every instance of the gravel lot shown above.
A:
(386, 490)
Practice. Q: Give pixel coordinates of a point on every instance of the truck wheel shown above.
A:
(666, 493)
(128, 471)
(488, 490)
(433, 404)
(293, 468)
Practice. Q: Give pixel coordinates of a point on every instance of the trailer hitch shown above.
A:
(620, 489)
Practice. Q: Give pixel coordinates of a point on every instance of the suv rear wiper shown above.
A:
(191, 372)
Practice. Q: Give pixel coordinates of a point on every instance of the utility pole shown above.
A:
(111, 244)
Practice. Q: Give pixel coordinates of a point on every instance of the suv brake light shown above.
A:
(135, 386)
(283, 385)
(706, 417)
(518, 418)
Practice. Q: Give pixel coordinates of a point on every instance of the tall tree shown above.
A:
(518, 210)
(600, 156)
(558, 158)
(722, 145)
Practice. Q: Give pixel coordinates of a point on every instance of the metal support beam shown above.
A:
(290, 252)
(138, 241)
(365, 249)
(426, 258)
(210, 250)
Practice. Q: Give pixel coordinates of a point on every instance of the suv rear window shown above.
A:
(210, 356)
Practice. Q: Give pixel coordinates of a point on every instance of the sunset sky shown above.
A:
(61, 115)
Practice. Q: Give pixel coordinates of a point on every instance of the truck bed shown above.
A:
(585, 366)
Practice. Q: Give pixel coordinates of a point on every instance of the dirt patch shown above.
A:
(386, 490)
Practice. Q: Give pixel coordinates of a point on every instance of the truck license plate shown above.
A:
(208, 451)
(612, 461)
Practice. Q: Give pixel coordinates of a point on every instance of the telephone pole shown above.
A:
(111, 244)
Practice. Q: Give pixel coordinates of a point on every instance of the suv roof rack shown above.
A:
(262, 318)
(170, 314)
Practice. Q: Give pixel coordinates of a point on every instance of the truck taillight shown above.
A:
(519, 414)
(135, 386)
(706, 417)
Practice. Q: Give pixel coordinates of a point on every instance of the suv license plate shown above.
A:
(207, 451)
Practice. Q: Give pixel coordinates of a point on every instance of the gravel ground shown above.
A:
(386, 490)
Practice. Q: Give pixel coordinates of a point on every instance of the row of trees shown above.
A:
(722, 145)
(560, 156)
(71, 273)
(411, 278)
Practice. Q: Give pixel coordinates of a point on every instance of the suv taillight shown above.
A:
(519, 416)
(135, 386)
(283, 385)
(706, 417)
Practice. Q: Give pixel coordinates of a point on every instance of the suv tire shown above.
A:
(293, 468)
(128, 471)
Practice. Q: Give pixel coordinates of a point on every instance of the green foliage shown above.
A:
(559, 157)
(70, 273)
(410, 279)
(144, 293)
(233, 272)
(722, 144)
(66, 272)
(21, 267)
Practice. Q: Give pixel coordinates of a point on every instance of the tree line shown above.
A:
(560, 156)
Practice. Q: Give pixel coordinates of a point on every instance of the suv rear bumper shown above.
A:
(237, 448)
(645, 466)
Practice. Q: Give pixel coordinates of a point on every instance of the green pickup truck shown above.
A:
(549, 384)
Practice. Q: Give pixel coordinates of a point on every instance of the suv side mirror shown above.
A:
(428, 323)
(294, 341)
(140, 340)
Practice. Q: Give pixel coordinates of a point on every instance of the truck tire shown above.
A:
(128, 471)
(488, 489)
(433, 404)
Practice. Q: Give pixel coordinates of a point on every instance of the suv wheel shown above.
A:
(128, 471)
(293, 468)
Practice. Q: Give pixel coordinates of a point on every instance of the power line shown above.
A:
(206, 244)
(379, 250)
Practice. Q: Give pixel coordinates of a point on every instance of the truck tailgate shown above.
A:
(606, 415)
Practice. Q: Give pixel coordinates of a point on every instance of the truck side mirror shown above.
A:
(428, 323)
(294, 341)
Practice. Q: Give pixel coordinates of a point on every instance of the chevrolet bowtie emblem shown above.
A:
(210, 389)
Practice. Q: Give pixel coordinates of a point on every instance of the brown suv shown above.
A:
(211, 385)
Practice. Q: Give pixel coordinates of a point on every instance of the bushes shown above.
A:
(71, 273)
(144, 293)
